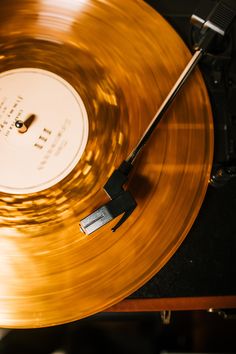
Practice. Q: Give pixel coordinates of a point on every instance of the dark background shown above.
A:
(188, 332)
(205, 264)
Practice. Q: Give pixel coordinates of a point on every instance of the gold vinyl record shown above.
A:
(115, 61)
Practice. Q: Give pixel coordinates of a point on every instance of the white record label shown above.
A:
(57, 132)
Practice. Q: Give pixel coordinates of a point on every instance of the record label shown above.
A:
(56, 131)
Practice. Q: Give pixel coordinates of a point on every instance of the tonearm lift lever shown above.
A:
(121, 201)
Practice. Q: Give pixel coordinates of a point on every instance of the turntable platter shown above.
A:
(115, 61)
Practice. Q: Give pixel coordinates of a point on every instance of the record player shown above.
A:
(81, 87)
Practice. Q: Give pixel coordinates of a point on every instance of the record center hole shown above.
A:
(23, 126)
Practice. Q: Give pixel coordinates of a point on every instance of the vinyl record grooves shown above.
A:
(122, 58)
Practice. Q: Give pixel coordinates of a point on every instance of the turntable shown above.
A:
(80, 83)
